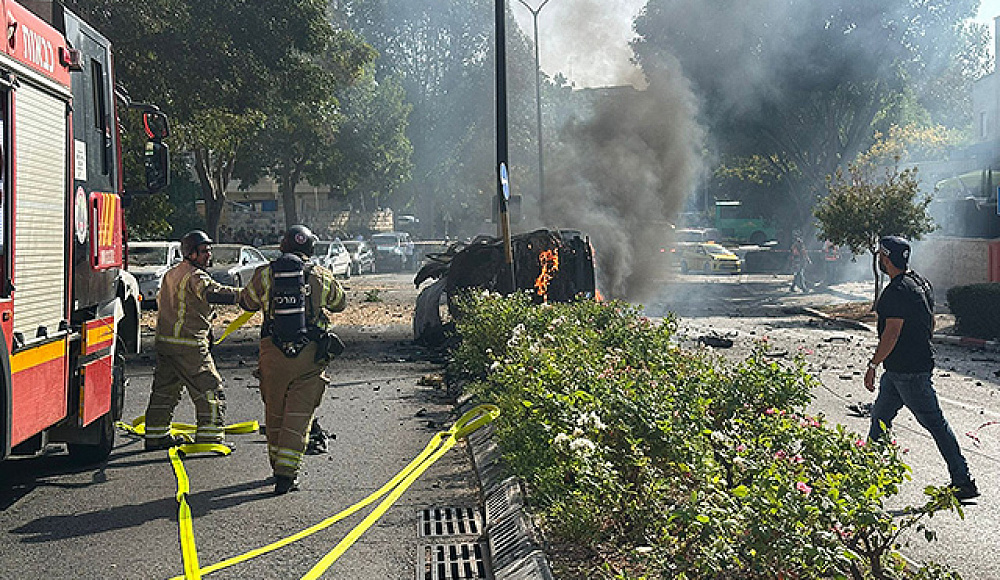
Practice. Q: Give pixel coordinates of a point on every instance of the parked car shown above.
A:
(333, 256)
(271, 251)
(685, 238)
(148, 262)
(393, 251)
(233, 264)
(362, 256)
(710, 258)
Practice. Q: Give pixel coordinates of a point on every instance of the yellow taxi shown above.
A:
(710, 258)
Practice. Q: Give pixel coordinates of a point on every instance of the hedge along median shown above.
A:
(977, 309)
(661, 462)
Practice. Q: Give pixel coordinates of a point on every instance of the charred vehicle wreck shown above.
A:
(554, 265)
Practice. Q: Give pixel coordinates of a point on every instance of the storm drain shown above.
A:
(453, 562)
(448, 521)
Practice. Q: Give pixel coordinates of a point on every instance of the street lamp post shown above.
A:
(538, 107)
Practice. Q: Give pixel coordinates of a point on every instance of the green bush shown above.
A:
(627, 441)
(977, 309)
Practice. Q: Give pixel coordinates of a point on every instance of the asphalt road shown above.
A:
(750, 308)
(119, 520)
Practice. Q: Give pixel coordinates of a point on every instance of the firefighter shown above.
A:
(182, 347)
(295, 347)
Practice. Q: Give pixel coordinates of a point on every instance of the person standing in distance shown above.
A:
(182, 347)
(905, 326)
(295, 347)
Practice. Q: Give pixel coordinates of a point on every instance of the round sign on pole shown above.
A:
(504, 181)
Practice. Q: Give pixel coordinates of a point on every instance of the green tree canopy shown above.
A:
(863, 206)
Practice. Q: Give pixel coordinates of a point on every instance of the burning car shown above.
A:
(555, 265)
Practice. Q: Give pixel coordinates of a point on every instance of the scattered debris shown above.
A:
(715, 341)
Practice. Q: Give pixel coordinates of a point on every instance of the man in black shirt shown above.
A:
(905, 325)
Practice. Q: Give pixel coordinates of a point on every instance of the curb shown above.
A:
(993, 345)
(515, 545)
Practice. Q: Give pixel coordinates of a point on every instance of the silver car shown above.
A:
(333, 256)
(148, 262)
(233, 264)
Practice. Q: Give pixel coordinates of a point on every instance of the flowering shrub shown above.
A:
(679, 464)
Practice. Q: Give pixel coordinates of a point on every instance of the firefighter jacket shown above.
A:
(184, 305)
(324, 292)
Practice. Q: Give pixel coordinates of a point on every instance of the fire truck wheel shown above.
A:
(86, 454)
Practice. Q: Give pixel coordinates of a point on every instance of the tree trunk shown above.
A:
(288, 178)
(214, 172)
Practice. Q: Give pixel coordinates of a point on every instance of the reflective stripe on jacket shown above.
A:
(183, 312)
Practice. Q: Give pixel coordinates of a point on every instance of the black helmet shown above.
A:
(191, 241)
(299, 240)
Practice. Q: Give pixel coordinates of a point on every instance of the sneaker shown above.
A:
(966, 490)
(861, 409)
(161, 443)
(284, 484)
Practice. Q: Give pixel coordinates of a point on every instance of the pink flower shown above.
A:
(770, 411)
(741, 448)
(859, 443)
(801, 486)
(780, 454)
(797, 459)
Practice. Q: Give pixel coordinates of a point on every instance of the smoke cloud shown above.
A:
(622, 173)
(585, 40)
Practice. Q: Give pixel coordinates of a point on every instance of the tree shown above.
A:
(861, 208)
(371, 156)
(802, 84)
(304, 116)
(213, 66)
(441, 53)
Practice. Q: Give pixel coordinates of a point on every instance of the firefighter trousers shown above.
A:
(292, 389)
(177, 366)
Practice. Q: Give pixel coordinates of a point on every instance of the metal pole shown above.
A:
(538, 108)
(503, 185)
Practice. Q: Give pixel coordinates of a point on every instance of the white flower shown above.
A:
(495, 365)
(562, 439)
(582, 445)
(591, 419)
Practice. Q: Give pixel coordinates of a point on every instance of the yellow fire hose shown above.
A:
(439, 444)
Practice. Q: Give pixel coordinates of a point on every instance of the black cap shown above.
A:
(896, 249)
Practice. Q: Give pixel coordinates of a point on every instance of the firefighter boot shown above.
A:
(161, 443)
(284, 484)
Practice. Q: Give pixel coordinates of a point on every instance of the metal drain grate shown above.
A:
(448, 521)
(452, 562)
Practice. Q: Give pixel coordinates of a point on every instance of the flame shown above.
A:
(598, 296)
(549, 261)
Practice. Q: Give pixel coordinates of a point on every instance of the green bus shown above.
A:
(737, 225)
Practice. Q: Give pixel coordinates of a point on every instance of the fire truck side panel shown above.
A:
(40, 206)
(95, 165)
(39, 388)
(95, 397)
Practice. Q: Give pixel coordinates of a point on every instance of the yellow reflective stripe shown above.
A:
(439, 444)
(179, 340)
(182, 301)
(36, 356)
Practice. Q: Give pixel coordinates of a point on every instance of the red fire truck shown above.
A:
(68, 309)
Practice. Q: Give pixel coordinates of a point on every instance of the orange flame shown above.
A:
(549, 261)
(598, 296)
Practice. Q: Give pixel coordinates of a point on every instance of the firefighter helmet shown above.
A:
(299, 240)
(191, 241)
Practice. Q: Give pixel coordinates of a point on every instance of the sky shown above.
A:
(587, 40)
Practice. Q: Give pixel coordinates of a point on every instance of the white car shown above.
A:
(148, 262)
(333, 256)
